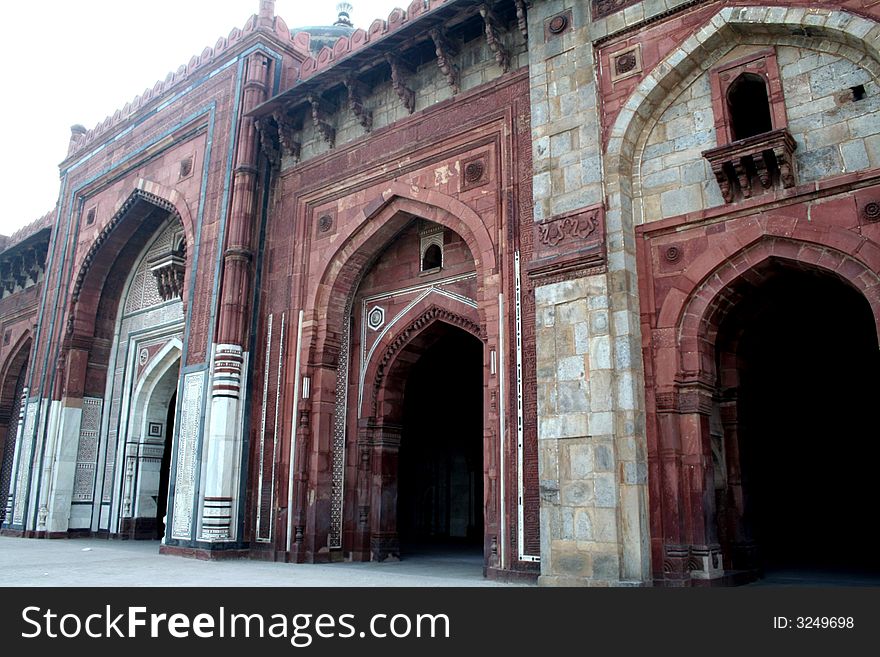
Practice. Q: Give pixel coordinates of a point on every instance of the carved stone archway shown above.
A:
(380, 432)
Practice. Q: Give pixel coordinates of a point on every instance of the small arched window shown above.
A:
(749, 106)
(433, 258)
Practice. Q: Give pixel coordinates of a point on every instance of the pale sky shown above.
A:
(78, 61)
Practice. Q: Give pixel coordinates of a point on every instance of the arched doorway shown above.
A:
(148, 458)
(440, 468)
(798, 365)
(11, 401)
(165, 468)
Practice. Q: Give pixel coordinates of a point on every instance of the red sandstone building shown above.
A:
(592, 287)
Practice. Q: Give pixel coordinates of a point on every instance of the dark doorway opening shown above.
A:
(749, 106)
(165, 470)
(440, 471)
(808, 365)
(7, 446)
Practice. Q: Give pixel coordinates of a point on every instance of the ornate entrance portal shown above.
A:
(440, 468)
(796, 444)
(763, 372)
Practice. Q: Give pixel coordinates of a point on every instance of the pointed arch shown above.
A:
(18, 357)
(725, 29)
(164, 360)
(696, 315)
(409, 329)
(377, 224)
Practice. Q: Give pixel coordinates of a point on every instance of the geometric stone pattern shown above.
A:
(27, 439)
(87, 452)
(15, 421)
(190, 412)
(144, 293)
(337, 447)
(268, 456)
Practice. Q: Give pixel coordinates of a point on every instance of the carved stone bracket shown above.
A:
(493, 36)
(522, 18)
(287, 135)
(22, 267)
(356, 103)
(398, 70)
(321, 112)
(569, 243)
(445, 52)
(754, 165)
(268, 133)
(169, 271)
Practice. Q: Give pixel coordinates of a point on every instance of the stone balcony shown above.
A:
(754, 165)
(169, 271)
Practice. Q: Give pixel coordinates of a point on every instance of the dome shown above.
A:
(327, 35)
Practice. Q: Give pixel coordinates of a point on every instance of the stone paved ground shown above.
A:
(95, 562)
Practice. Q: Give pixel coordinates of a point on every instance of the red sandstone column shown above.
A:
(223, 450)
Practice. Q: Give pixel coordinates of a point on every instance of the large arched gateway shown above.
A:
(793, 437)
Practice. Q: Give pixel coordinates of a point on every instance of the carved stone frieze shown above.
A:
(572, 242)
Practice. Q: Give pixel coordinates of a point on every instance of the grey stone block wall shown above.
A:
(835, 134)
(592, 466)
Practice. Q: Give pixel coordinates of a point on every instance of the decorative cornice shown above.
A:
(321, 111)
(269, 140)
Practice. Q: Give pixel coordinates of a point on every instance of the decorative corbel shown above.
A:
(356, 103)
(18, 270)
(493, 36)
(31, 263)
(321, 112)
(6, 280)
(287, 135)
(445, 53)
(407, 96)
(522, 16)
(268, 141)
